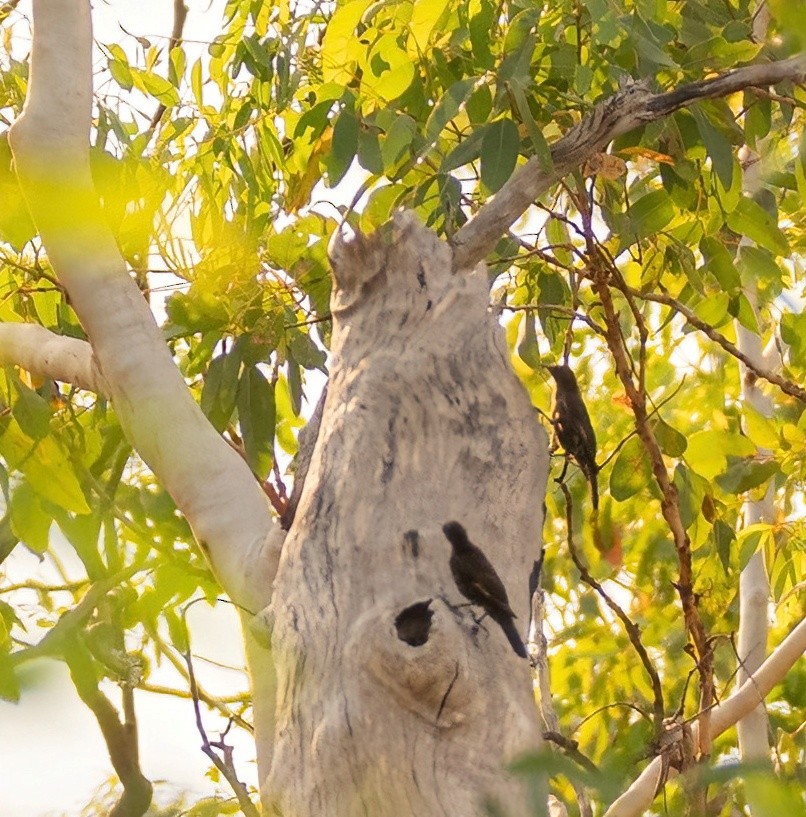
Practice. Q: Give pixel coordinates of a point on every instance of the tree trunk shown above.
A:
(392, 699)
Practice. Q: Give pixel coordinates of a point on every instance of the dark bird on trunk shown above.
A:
(573, 426)
(478, 582)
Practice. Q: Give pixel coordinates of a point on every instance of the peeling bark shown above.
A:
(392, 698)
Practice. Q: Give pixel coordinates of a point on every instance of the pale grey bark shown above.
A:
(392, 700)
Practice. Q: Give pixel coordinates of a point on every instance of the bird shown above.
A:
(478, 582)
(572, 424)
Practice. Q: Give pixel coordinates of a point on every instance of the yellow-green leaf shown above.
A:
(338, 44)
(708, 451)
(46, 467)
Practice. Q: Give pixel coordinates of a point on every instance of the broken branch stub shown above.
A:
(393, 698)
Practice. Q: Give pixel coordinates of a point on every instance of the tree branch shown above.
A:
(786, 386)
(748, 696)
(46, 354)
(630, 107)
(120, 737)
(180, 15)
(670, 506)
(210, 484)
(224, 765)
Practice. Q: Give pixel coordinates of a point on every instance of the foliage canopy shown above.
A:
(222, 201)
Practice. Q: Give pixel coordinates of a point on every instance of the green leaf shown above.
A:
(387, 70)
(671, 441)
(528, 349)
(220, 389)
(120, 70)
(16, 225)
(196, 83)
(425, 16)
(287, 419)
(31, 411)
(344, 147)
(789, 16)
(651, 213)
(719, 263)
(467, 151)
(745, 474)
(256, 415)
(718, 147)
(448, 106)
(724, 539)
(177, 629)
(713, 309)
(9, 685)
(480, 26)
(753, 221)
(338, 43)
(160, 88)
(552, 291)
(295, 385)
(306, 352)
(760, 265)
(539, 143)
(793, 333)
(690, 493)
(398, 138)
(752, 539)
(631, 471)
(759, 428)
(369, 150)
(29, 522)
(742, 310)
(499, 153)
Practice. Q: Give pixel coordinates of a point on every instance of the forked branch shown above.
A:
(630, 107)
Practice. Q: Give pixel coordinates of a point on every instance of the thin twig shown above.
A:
(632, 629)
(571, 748)
(786, 386)
(180, 15)
(225, 765)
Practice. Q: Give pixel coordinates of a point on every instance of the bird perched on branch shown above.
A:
(573, 426)
(478, 582)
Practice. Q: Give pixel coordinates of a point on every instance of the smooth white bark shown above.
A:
(46, 354)
(746, 698)
(754, 589)
(754, 586)
(210, 483)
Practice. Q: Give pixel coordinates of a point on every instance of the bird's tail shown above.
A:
(594, 488)
(511, 632)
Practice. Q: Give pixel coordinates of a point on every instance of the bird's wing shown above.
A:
(496, 595)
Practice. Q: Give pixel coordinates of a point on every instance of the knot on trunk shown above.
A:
(413, 650)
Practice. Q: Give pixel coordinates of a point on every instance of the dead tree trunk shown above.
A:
(392, 699)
